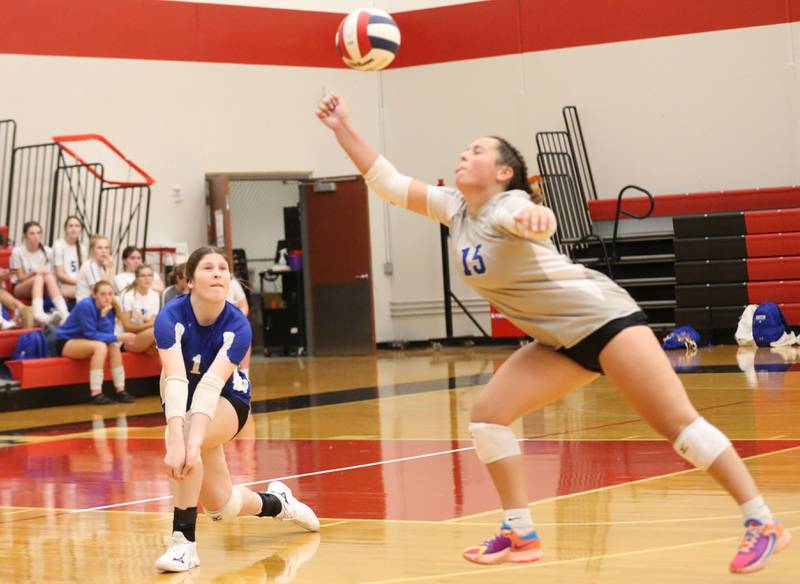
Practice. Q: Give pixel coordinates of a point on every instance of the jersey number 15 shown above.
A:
(476, 262)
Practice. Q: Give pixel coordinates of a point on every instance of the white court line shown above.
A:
(296, 476)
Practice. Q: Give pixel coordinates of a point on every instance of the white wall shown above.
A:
(685, 113)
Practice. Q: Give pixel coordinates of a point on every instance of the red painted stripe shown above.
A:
(591, 22)
(180, 31)
(361, 34)
(780, 268)
(697, 203)
(778, 292)
(773, 245)
(791, 312)
(777, 221)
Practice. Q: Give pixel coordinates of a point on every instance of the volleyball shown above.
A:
(368, 39)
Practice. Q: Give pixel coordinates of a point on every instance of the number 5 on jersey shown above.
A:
(476, 262)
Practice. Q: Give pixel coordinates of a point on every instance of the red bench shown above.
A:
(60, 371)
(8, 340)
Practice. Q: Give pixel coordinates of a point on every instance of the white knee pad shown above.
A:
(493, 442)
(229, 510)
(701, 443)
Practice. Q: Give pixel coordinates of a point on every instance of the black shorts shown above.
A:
(242, 411)
(586, 352)
(60, 345)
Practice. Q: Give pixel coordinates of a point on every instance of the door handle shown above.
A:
(362, 277)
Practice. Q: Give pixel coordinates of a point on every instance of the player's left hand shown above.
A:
(536, 219)
(192, 452)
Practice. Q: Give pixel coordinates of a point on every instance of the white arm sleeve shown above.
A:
(509, 208)
(387, 183)
(443, 203)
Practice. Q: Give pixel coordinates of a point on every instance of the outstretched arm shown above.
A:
(380, 175)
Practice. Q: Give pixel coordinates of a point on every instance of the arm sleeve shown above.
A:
(236, 342)
(168, 331)
(443, 202)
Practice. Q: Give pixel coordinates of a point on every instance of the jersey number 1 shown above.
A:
(479, 267)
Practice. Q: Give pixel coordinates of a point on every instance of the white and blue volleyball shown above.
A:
(368, 39)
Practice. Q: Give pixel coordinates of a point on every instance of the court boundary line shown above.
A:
(410, 458)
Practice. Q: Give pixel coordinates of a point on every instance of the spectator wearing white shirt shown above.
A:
(99, 267)
(132, 259)
(31, 262)
(68, 256)
(140, 305)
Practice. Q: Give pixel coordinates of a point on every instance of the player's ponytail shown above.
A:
(508, 155)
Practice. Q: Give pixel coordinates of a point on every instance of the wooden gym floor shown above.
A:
(379, 447)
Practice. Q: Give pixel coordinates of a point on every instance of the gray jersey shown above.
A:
(541, 291)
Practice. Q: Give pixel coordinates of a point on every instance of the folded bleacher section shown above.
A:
(727, 260)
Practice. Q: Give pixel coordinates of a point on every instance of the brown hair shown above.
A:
(114, 304)
(508, 155)
(77, 241)
(138, 269)
(177, 272)
(199, 254)
(25, 227)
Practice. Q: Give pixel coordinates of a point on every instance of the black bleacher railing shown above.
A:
(42, 183)
(643, 263)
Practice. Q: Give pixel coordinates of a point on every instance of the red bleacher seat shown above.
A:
(58, 371)
(8, 340)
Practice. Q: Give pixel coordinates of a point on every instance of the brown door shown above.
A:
(219, 207)
(338, 263)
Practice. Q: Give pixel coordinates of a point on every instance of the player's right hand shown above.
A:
(175, 460)
(331, 111)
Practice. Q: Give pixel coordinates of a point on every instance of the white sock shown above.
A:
(519, 520)
(61, 306)
(96, 381)
(756, 509)
(118, 376)
(38, 309)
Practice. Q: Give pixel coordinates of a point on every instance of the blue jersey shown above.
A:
(229, 337)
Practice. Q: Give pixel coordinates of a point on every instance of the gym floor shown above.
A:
(379, 447)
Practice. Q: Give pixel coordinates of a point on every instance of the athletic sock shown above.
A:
(756, 508)
(185, 520)
(519, 520)
(270, 505)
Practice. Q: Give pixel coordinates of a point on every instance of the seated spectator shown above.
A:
(89, 334)
(131, 259)
(99, 267)
(140, 304)
(178, 284)
(68, 256)
(31, 262)
(22, 314)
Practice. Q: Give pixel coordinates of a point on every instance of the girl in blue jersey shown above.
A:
(201, 341)
(88, 333)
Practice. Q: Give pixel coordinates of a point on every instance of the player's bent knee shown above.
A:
(493, 442)
(231, 509)
(701, 443)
